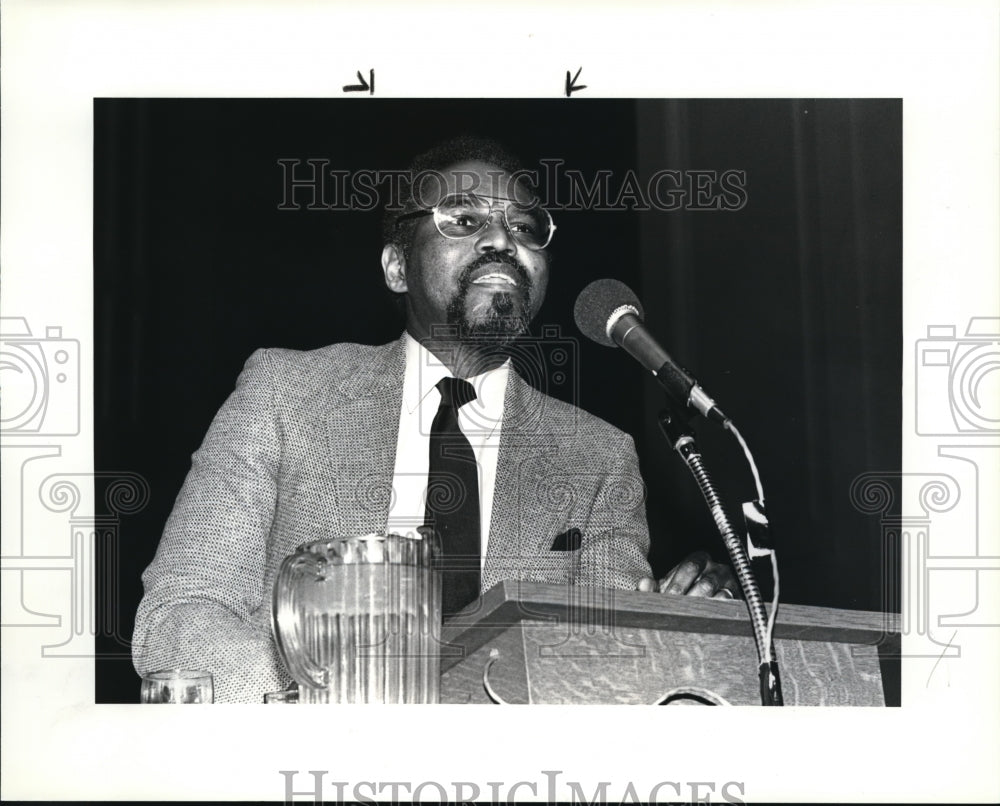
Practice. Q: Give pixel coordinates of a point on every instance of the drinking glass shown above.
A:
(290, 696)
(178, 687)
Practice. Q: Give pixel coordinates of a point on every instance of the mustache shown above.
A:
(521, 273)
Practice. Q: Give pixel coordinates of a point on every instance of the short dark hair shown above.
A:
(464, 148)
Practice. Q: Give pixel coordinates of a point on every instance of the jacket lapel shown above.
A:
(522, 519)
(361, 430)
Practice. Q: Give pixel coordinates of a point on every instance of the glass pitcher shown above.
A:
(358, 619)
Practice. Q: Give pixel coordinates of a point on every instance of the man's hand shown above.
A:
(697, 575)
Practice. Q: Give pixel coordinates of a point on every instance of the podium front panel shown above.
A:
(550, 649)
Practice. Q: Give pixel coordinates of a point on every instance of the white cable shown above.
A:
(774, 602)
(753, 465)
(774, 557)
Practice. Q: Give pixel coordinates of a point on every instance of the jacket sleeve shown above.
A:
(616, 537)
(205, 587)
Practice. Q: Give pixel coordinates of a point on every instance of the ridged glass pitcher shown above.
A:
(358, 619)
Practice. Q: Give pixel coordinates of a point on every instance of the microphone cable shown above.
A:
(757, 516)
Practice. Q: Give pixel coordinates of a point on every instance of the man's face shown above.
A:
(487, 285)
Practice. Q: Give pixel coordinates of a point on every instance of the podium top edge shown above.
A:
(526, 601)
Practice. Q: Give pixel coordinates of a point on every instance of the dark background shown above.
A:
(789, 310)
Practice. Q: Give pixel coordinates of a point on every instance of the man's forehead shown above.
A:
(473, 176)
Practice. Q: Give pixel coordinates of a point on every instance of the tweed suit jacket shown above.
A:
(304, 449)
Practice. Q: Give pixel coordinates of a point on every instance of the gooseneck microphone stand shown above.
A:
(674, 425)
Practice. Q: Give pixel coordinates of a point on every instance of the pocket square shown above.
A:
(570, 540)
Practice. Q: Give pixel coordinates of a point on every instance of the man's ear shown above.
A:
(394, 268)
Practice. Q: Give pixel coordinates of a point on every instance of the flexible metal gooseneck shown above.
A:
(681, 438)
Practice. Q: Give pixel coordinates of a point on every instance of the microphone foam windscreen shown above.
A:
(595, 305)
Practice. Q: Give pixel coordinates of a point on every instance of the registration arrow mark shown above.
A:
(368, 85)
(571, 85)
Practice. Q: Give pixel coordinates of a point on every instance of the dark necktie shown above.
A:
(453, 497)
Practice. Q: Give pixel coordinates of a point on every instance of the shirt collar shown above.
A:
(424, 370)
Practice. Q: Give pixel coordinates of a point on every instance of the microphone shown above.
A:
(609, 312)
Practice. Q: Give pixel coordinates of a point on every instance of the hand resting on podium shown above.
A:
(697, 575)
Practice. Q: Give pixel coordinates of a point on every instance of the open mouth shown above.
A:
(498, 278)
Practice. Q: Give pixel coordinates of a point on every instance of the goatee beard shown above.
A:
(509, 315)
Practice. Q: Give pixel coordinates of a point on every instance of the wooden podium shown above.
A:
(566, 644)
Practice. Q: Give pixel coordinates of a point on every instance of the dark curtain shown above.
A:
(789, 311)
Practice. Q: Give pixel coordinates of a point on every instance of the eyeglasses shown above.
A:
(466, 214)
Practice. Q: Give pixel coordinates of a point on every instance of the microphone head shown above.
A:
(598, 303)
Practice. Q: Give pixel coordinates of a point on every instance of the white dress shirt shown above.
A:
(480, 421)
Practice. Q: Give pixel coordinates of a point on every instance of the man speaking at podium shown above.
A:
(435, 427)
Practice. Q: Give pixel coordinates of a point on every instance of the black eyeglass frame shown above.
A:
(434, 211)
